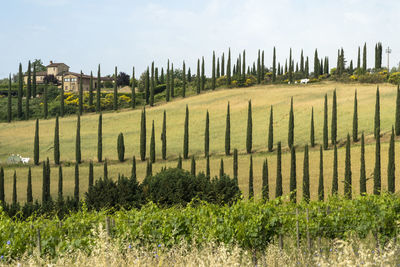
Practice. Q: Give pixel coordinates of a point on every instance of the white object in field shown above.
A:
(25, 160)
(304, 81)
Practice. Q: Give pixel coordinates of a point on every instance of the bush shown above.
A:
(372, 78)
(224, 190)
(394, 78)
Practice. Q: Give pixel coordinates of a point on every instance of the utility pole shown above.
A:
(388, 51)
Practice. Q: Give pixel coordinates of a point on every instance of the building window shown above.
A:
(66, 79)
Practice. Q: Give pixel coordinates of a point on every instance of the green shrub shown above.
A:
(394, 78)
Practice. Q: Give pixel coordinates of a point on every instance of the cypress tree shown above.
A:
(235, 165)
(149, 168)
(274, 66)
(44, 183)
(121, 147)
(213, 72)
(228, 131)
(172, 80)
(397, 125)
(80, 95)
(100, 139)
(335, 171)
(56, 143)
(364, 66)
(164, 137)
(147, 87)
(334, 119)
(325, 129)
(48, 178)
(179, 166)
(223, 64)
(193, 167)
(152, 145)
(167, 91)
(278, 186)
(208, 172)
(20, 91)
(34, 81)
(203, 76)
(105, 171)
(228, 69)
(60, 182)
(36, 144)
(152, 85)
(293, 178)
(115, 103)
(9, 103)
(98, 103)
(91, 174)
(133, 101)
(62, 97)
(2, 199)
(91, 90)
(347, 172)
(363, 177)
(251, 187)
(29, 197)
(321, 194)
(355, 119)
(244, 67)
(183, 80)
(291, 125)
(391, 165)
(76, 189)
(133, 171)
(258, 68)
(78, 141)
(312, 138)
(262, 66)
(143, 135)
(377, 121)
(265, 183)
(45, 104)
(249, 137)
(186, 135)
(221, 168)
(207, 136)
(271, 131)
(14, 195)
(198, 78)
(28, 92)
(306, 68)
(358, 59)
(377, 170)
(316, 64)
(218, 71)
(306, 176)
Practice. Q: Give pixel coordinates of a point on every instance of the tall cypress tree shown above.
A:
(100, 139)
(91, 175)
(45, 102)
(20, 91)
(377, 169)
(60, 182)
(14, 195)
(198, 78)
(121, 147)
(152, 85)
(278, 186)
(29, 197)
(397, 119)
(265, 182)
(271, 131)
(355, 119)
(274, 66)
(98, 92)
(91, 90)
(28, 92)
(36, 144)
(193, 166)
(258, 68)
(76, 189)
(291, 125)
(133, 171)
(208, 172)
(364, 66)
(363, 177)
(62, 97)
(213, 72)
(147, 87)
(186, 135)
(78, 141)
(115, 102)
(335, 171)
(221, 168)
(249, 136)
(133, 101)
(235, 165)
(262, 66)
(164, 137)
(377, 121)
(334, 119)
(2, 199)
(56, 143)
(223, 64)
(321, 194)
(347, 171)
(183, 80)
(358, 59)
(306, 176)
(143, 135)
(203, 75)
(228, 69)
(325, 129)
(391, 165)
(34, 81)
(45, 193)
(293, 179)
(251, 187)
(316, 64)
(172, 80)
(152, 144)
(167, 90)
(244, 67)
(312, 137)
(207, 136)
(9, 103)
(228, 131)
(80, 95)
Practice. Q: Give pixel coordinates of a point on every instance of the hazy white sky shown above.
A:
(126, 33)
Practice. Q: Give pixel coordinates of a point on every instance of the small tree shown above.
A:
(249, 136)
(325, 129)
(228, 132)
(56, 143)
(2, 199)
(143, 135)
(179, 165)
(207, 136)
(312, 138)
(36, 144)
(251, 189)
(80, 104)
(391, 164)
(306, 176)
(121, 147)
(265, 182)
(9, 103)
(321, 194)
(377, 121)
(363, 177)
(271, 131)
(355, 119)
(20, 91)
(14, 195)
(347, 172)
(133, 171)
(91, 175)
(29, 197)
(100, 139)
(208, 172)
(152, 145)
(278, 186)
(90, 90)
(78, 141)
(60, 183)
(377, 170)
(291, 125)
(397, 125)
(193, 166)
(335, 171)
(105, 170)
(221, 168)
(186, 135)
(98, 93)
(164, 136)
(235, 165)
(133, 89)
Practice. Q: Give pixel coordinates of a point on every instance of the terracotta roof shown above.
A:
(56, 64)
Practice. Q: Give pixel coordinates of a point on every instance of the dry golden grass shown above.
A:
(17, 137)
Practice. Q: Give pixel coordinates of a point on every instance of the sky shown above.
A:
(127, 33)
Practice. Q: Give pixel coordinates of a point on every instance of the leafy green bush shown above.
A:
(394, 78)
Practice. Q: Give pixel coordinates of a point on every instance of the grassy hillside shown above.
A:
(17, 137)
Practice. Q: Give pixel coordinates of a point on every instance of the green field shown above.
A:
(17, 137)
